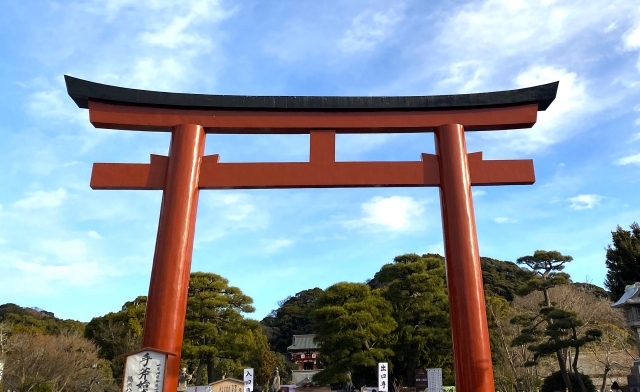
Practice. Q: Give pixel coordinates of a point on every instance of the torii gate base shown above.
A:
(186, 170)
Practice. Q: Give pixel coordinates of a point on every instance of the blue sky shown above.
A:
(82, 253)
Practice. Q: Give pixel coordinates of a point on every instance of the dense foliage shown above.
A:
(34, 320)
(353, 327)
(623, 260)
(555, 383)
(415, 287)
(293, 317)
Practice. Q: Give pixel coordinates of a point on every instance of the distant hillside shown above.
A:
(36, 320)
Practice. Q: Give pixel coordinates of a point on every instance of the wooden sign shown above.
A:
(144, 371)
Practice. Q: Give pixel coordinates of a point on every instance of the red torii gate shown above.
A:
(186, 170)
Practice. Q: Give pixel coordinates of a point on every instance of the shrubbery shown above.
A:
(555, 383)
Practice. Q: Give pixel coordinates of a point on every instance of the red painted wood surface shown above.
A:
(168, 289)
(113, 116)
(471, 350)
(321, 172)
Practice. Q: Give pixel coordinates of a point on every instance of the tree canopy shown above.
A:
(415, 287)
(353, 327)
(293, 317)
(623, 259)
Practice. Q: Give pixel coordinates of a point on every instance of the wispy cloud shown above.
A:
(370, 28)
(584, 202)
(502, 219)
(94, 235)
(234, 212)
(628, 160)
(275, 246)
(42, 199)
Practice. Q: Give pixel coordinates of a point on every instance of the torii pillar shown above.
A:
(185, 171)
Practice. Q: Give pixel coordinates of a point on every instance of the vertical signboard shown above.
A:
(248, 380)
(434, 379)
(144, 372)
(383, 375)
(421, 379)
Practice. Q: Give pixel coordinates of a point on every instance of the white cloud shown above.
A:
(67, 251)
(502, 219)
(584, 202)
(36, 274)
(237, 206)
(467, 75)
(81, 274)
(631, 39)
(395, 213)
(369, 28)
(233, 211)
(42, 199)
(629, 160)
(478, 193)
(508, 28)
(572, 101)
(52, 104)
(276, 246)
(94, 235)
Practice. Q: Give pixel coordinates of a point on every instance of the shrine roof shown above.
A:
(303, 342)
(83, 91)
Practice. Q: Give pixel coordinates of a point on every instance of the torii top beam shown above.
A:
(124, 108)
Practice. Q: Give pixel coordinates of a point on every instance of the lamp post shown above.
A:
(630, 303)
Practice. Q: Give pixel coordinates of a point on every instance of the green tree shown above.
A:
(353, 327)
(36, 321)
(293, 317)
(551, 330)
(555, 382)
(215, 326)
(623, 260)
(118, 333)
(415, 287)
(503, 278)
(546, 267)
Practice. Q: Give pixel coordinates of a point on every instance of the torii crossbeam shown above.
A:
(186, 170)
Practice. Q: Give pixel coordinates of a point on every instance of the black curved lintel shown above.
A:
(82, 91)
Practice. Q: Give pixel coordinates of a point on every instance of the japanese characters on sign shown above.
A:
(383, 375)
(144, 372)
(421, 379)
(248, 380)
(434, 377)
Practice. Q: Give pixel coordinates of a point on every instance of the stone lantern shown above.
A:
(630, 303)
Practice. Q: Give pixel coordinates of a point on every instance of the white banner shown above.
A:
(434, 379)
(383, 376)
(248, 380)
(144, 372)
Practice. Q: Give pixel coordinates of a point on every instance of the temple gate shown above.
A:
(181, 175)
